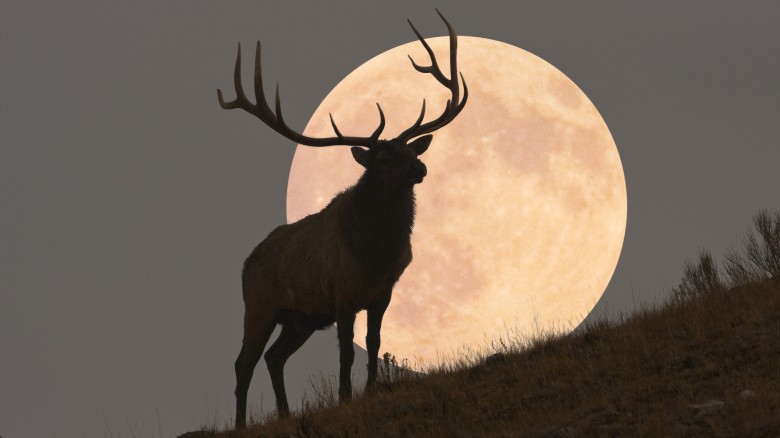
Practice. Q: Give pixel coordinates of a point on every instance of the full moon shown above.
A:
(521, 219)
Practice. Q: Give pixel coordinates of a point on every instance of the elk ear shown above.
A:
(361, 156)
(421, 144)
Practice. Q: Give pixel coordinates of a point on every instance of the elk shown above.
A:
(347, 257)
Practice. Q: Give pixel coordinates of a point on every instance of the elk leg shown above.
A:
(375, 314)
(345, 326)
(289, 341)
(255, 337)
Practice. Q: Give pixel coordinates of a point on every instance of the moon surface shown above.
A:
(521, 219)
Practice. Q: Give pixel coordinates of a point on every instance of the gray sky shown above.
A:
(130, 199)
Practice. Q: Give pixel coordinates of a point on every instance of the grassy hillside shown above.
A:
(706, 363)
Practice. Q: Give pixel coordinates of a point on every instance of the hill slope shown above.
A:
(703, 366)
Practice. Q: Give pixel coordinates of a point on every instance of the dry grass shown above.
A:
(637, 376)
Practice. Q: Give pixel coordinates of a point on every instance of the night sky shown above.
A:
(130, 199)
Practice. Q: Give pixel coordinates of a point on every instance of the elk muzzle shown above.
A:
(419, 172)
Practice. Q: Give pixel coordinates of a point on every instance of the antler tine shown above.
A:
(416, 123)
(240, 97)
(259, 93)
(454, 105)
(462, 103)
(275, 120)
(279, 107)
(453, 59)
(335, 128)
(381, 127)
(434, 67)
(447, 116)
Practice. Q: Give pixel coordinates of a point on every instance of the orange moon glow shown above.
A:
(521, 218)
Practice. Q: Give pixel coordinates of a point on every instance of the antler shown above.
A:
(453, 107)
(275, 121)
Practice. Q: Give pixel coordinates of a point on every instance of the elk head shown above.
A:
(393, 162)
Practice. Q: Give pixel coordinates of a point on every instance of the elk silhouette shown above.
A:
(346, 258)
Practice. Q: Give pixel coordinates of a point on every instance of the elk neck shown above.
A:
(378, 222)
